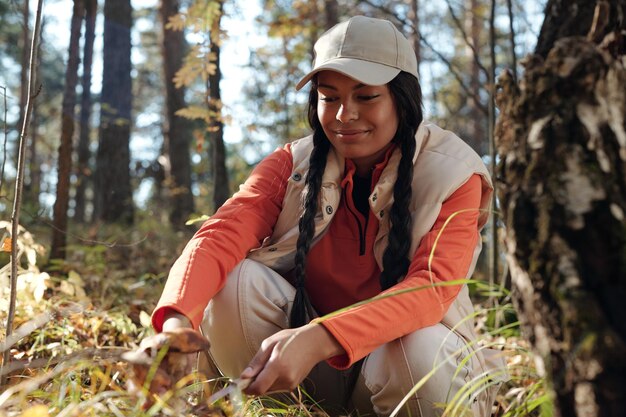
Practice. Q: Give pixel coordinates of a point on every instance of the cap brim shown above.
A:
(370, 73)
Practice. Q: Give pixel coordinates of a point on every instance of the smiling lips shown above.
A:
(349, 133)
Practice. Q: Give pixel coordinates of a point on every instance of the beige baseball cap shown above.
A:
(367, 49)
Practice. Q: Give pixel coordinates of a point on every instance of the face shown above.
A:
(359, 120)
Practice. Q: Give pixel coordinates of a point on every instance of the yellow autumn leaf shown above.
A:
(75, 278)
(176, 22)
(36, 411)
(144, 319)
(194, 112)
(67, 288)
(6, 244)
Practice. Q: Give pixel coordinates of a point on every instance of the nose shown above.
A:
(347, 112)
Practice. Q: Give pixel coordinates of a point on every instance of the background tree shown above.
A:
(292, 28)
(113, 193)
(562, 141)
(177, 131)
(25, 53)
(201, 71)
(59, 231)
(83, 169)
(221, 188)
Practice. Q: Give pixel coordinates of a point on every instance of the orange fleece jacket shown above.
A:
(341, 268)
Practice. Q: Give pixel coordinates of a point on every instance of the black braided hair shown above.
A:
(302, 310)
(407, 95)
(408, 98)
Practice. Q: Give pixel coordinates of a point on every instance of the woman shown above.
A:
(375, 201)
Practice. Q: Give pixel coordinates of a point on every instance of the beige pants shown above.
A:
(255, 304)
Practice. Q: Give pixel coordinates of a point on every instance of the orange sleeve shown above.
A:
(225, 239)
(363, 329)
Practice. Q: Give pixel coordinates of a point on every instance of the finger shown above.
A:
(265, 379)
(259, 360)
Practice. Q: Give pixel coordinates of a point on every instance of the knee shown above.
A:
(433, 363)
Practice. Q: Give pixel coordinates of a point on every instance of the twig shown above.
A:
(19, 183)
(35, 323)
(453, 70)
(6, 134)
(61, 364)
(509, 5)
(467, 40)
(492, 147)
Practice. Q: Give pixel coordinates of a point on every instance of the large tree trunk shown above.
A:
(221, 189)
(177, 132)
(83, 171)
(59, 231)
(562, 142)
(113, 193)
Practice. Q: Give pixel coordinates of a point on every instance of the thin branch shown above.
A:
(492, 147)
(467, 40)
(19, 182)
(6, 134)
(457, 76)
(449, 64)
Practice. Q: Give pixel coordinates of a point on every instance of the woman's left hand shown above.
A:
(287, 357)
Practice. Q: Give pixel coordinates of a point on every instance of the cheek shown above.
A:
(324, 114)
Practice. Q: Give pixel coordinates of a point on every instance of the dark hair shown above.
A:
(407, 96)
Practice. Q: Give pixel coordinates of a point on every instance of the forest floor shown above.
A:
(74, 319)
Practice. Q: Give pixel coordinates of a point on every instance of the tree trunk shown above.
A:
(221, 189)
(83, 171)
(331, 11)
(176, 129)
(24, 63)
(59, 231)
(561, 138)
(114, 199)
(31, 188)
(569, 18)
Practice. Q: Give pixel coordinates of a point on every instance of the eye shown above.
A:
(368, 97)
(327, 99)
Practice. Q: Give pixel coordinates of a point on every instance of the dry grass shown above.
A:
(76, 322)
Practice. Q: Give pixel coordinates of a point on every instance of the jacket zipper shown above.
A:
(361, 227)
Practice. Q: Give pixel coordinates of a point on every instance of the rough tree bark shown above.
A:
(221, 189)
(83, 171)
(561, 138)
(177, 132)
(113, 192)
(59, 232)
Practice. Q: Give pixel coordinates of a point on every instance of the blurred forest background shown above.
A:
(146, 115)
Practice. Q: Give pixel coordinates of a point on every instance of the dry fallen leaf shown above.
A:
(6, 244)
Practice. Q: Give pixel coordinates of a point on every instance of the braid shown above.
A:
(302, 310)
(407, 93)
(395, 258)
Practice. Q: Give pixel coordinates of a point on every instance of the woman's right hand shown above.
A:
(174, 320)
(178, 364)
(182, 343)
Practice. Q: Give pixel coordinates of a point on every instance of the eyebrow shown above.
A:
(330, 87)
